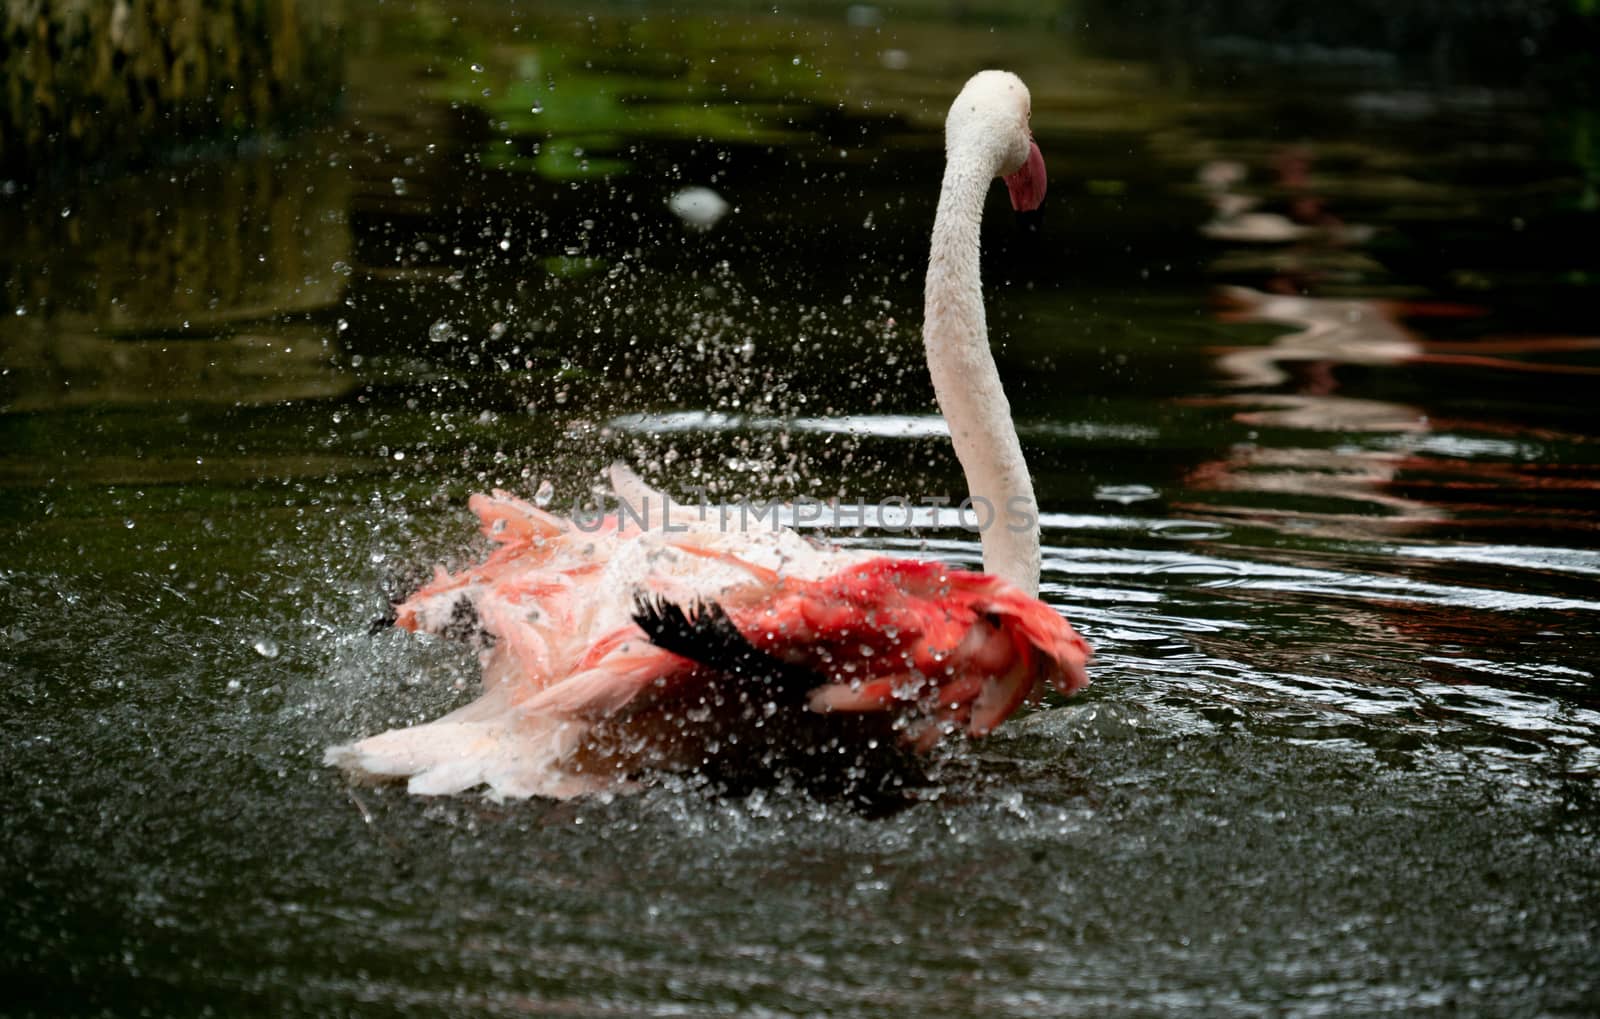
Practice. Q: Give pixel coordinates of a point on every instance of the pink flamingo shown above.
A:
(679, 644)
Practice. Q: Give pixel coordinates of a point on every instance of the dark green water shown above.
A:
(1338, 552)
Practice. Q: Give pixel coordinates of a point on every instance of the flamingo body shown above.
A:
(579, 697)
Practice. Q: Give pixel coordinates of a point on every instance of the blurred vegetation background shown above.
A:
(91, 80)
(98, 79)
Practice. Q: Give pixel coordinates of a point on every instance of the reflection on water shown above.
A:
(181, 250)
(187, 283)
(884, 426)
(67, 369)
(1336, 331)
(1395, 468)
(1314, 441)
(1396, 461)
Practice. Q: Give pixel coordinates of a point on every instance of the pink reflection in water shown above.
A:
(1368, 465)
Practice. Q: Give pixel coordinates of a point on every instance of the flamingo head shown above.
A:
(990, 118)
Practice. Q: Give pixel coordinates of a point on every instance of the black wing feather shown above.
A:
(704, 634)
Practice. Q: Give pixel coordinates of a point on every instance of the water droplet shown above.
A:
(128, 523)
(1126, 494)
(399, 185)
(545, 495)
(699, 207)
(266, 647)
(497, 330)
(1189, 530)
(477, 68)
(537, 107)
(441, 331)
(342, 268)
(795, 61)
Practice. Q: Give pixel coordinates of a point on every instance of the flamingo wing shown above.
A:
(939, 645)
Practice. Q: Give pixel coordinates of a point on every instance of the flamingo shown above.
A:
(660, 640)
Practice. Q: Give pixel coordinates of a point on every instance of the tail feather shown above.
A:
(639, 496)
(515, 744)
(515, 757)
(509, 520)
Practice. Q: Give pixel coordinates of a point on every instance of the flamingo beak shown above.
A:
(1027, 185)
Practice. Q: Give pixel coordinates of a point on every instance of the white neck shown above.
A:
(966, 381)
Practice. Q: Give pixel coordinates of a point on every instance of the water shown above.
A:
(1336, 550)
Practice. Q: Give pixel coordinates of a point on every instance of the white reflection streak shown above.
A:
(880, 426)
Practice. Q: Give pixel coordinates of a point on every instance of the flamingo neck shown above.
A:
(966, 382)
